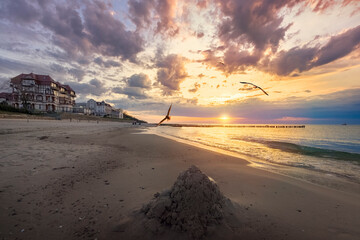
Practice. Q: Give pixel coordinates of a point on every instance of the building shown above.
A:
(80, 108)
(41, 93)
(5, 97)
(103, 109)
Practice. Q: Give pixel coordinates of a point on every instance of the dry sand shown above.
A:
(83, 180)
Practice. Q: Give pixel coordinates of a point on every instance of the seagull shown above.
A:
(167, 117)
(255, 87)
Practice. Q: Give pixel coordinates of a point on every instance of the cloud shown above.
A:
(239, 61)
(253, 22)
(139, 80)
(322, 5)
(171, 73)
(136, 86)
(5, 84)
(161, 13)
(108, 34)
(58, 68)
(13, 68)
(77, 73)
(131, 92)
(140, 12)
(305, 58)
(196, 88)
(251, 31)
(19, 11)
(77, 30)
(94, 87)
(106, 63)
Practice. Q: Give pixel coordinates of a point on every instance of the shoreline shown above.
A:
(80, 183)
(319, 178)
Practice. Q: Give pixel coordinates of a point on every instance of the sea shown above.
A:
(328, 155)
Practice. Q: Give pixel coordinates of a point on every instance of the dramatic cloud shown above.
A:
(108, 34)
(104, 48)
(5, 84)
(136, 86)
(139, 80)
(13, 68)
(171, 73)
(252, 30)
(94, 87)
(322, 5)
(305, 58)
(253, 21)
(140, 12)
(106, 63)
(160, 12)
(131, 92)
(76, 30)
(77, 73)
(20, 11)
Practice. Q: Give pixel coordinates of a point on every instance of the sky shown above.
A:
(143, 55)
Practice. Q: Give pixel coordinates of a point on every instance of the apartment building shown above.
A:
(103, 109)
(41, 93)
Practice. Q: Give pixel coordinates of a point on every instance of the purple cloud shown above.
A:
(77, 30)
(306, 58)
(144, 13)
(259, 26)
(19, 11)
(136, 86)
(108, 35)
(171, 73)
(106, 63)
(140, 80)
(131, 92)
(94, 87)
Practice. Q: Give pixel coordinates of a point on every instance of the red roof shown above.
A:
(67, 87)
(39, 79)
(5, 95)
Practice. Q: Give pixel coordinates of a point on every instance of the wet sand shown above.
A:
(80, 180)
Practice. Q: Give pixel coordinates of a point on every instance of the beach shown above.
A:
(81, 180)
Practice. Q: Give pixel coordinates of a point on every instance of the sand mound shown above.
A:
(193, 204)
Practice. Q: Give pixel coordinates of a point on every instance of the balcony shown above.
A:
(54, 87)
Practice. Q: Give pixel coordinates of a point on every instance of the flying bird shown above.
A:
(255, 87)
(167, 117)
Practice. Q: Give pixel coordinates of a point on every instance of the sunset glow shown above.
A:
(224, 118)
(142, 56)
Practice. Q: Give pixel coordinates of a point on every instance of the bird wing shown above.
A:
(168, 113)
(263, 90)
(161, 121)
(255, 86)
(249, 83)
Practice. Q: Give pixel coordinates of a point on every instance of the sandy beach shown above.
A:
(83, 180)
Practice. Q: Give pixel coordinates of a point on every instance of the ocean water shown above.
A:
(325, 154)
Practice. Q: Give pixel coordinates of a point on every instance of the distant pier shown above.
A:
(234, 126)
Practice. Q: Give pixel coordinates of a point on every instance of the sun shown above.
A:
(224, 118)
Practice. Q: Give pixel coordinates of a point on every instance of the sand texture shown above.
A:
(88, 180)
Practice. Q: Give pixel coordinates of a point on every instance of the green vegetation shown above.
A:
(129, 117)
(4, 107)
(7, 111)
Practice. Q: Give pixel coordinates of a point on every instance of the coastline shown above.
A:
(321, 178)
(64, 180)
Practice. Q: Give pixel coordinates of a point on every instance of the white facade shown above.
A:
(103, 109)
